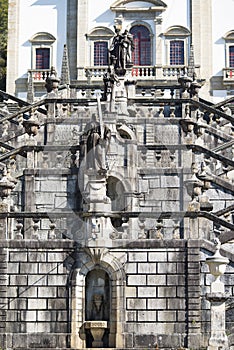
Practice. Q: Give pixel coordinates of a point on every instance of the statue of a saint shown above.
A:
(96, 145)
(121, 51)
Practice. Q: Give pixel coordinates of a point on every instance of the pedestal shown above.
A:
(217, 297)
(97, 329)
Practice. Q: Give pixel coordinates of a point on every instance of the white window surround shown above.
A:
(40, 41)
(229, 41)
(177, 33)
(150, 5)
(98, 34)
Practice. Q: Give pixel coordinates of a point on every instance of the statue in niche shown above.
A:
(97, 299)
(121, 51)
(97, 307)
(97, 144)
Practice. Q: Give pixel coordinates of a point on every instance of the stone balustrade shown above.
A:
(140, 72)
(38, 75)
(228, 75)
(167, 225)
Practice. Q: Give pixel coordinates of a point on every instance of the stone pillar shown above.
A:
(217, 297)
(72, 36)
(12, 45)
(29, 200)
(77, 309)
(202, 39)
(82, 29)
(158, 41)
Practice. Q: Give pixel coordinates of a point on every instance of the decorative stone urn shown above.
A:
(31, 126)
(217, 263)
(194, 186)
(97, 329)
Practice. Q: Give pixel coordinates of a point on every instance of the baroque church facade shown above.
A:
(116, 159)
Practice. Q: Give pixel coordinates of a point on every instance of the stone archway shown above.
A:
(89, 260)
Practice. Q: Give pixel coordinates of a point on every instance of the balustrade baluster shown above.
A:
(36, 226)
(141, 224)
(159, 229)
(161, 112)
(172, 112)
(158, 157)
(19, 227)
(176, 229)
(51, 232)
(73, 158)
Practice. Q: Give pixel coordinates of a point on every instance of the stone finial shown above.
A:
(6, 186)
(30, 92)
(52, 81)
(217, 263)
(65, 72)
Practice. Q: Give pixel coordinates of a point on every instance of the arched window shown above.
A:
(101, 53)
(142, 42)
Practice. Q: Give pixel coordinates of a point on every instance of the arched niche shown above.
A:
(96, 268)
(97, 301)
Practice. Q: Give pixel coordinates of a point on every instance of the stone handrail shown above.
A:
(176, 215)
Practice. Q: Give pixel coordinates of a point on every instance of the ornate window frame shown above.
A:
(42, 40)
(98, 34)
(229, 41)
(119, 6)
(175, 33)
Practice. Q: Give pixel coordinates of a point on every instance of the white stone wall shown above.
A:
(36, 17)
(222, 23)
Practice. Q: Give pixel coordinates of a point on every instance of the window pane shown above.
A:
(101, 53)
(176, 52)
(42, 58)
(142, 53)
(231, 56)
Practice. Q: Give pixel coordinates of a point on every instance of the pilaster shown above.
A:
(72, 36)
(158, 40)
(82, 29)
(12, 46)
(202, 39)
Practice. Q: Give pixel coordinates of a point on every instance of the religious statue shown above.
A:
(97, 143)
(121, 51)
